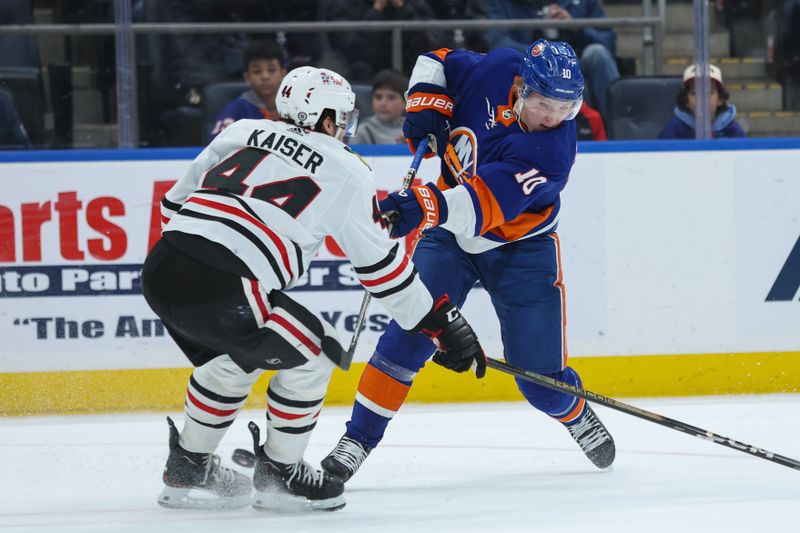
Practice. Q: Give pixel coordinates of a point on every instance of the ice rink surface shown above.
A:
(467, 467)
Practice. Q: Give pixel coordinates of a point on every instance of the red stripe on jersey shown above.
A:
(297, 333)
(246, 216)
(288, 416)
(259, 300)
(207, 408)
(388, 277)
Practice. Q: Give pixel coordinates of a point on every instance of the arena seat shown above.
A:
(215, 96)
(363, 99)
(25, 86)
(640, 107)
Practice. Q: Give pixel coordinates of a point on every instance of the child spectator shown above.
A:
(724, 120)
(264, 69)
(388, 104)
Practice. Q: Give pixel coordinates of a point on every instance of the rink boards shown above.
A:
(681, 265)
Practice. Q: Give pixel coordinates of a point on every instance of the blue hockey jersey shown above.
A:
(501, 183)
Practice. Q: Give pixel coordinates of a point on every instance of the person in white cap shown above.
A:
(682, 125)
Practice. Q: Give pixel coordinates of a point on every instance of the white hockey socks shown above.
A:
(294, 401)
(216, 392)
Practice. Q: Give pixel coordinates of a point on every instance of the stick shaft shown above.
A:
(407, 181)
(553, 384)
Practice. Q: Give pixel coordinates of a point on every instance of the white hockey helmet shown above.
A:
(306, 92)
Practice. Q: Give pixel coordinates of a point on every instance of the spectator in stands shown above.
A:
(264, 69)
(195, 60)
(595, 46)
(782, 21)
(18, 50)
(12, 132)
(302, 48)
(388, 104)
(682, 125)
(590, 124)
(367, 52)
(474, 40)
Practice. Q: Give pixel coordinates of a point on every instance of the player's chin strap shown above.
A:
(412, 172)
(560, 386)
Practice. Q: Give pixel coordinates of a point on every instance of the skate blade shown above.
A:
(197, 499)
(282, 502)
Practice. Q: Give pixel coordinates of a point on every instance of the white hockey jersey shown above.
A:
(270, 192)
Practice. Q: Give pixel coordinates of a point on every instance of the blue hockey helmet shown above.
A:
(551, 68)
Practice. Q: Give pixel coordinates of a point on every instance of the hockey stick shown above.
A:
(246, 458)
(362, 313)
(553, 384)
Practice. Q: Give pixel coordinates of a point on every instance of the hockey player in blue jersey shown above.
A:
(504, 130)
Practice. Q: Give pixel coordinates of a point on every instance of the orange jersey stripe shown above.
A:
(575, 413)
(560, 284)
(441, 53)
(382, 389)
(520, 226)
(490, 208)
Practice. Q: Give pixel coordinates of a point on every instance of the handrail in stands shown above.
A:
(653, 28)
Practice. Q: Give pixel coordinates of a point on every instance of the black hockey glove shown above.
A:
(428, 109)
(458, 345)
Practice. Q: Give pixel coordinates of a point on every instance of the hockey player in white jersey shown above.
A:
(240, 228)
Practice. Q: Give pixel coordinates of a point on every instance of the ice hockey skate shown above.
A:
(594, 439)
(292, 487)
(346, 458)
(199, 481)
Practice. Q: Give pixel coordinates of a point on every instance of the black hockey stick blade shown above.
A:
(553, 384)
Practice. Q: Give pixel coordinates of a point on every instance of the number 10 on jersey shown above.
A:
(529, 180)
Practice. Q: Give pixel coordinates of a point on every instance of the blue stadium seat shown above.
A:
(363, 99)
(25, 86)
(640, 107)
(215, 96)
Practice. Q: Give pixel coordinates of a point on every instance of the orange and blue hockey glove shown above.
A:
(420, 207)
(428, 110)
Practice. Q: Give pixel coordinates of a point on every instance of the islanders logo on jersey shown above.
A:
(537, 50)
(462, 153)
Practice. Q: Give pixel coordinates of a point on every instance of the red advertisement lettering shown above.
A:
(8, 243)
(160, 188)
(68, 206)
(114, 235)
(33, 216)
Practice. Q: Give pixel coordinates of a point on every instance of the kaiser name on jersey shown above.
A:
(302, 154)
